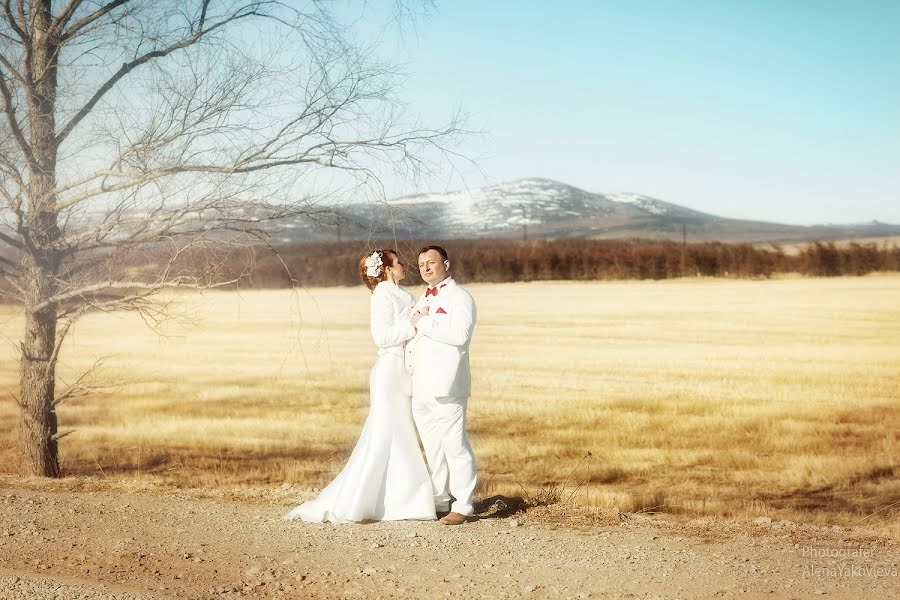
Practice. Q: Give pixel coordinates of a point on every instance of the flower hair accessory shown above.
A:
(373, 264)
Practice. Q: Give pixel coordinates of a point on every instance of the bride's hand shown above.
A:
(422, 312)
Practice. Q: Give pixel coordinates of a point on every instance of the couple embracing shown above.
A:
(420, 382)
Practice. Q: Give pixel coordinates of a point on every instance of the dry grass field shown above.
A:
(708, 397)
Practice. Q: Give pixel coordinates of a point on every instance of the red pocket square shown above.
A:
(441, 311)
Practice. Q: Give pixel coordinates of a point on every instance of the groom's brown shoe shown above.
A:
(453, 518)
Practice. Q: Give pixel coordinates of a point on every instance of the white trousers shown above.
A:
(441, 423)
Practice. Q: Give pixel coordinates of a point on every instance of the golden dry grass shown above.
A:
(720, 397)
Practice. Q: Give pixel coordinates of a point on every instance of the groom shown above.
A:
(438, 360)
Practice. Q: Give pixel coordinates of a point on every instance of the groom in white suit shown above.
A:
(438, 360)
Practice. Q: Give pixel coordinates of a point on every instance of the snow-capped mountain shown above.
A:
(545, 208)
(508, 207)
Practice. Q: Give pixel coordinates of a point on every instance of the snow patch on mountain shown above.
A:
(651, 205)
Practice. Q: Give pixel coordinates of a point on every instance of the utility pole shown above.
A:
(524, 223)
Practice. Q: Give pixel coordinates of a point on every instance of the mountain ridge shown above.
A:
(537, 207)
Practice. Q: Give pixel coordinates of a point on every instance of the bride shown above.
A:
(385, 477)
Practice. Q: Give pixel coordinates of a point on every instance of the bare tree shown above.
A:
(168, 133)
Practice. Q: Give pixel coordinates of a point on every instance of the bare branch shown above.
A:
(65, 15)
(128, 67)
(61, 336)
(14, 284)
(10, 110)
(16, 269)
(14, 173)
(12, 241)
(202, 21)
(181, 282)
(19, 28)
(329, 154)
(62, 434)
(12, 69)
(80, 387)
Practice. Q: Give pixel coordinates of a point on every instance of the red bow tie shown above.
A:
(433, 291)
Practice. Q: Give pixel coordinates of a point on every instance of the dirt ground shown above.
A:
(81, 538)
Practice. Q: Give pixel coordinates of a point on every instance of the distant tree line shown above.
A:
(323, 264)
(317, 264)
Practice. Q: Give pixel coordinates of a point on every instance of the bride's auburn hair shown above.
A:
(388, 259)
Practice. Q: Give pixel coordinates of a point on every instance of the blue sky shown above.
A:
(776, 110)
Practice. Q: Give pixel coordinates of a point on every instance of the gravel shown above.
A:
(82, 538)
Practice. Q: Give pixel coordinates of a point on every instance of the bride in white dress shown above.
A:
(385, 477)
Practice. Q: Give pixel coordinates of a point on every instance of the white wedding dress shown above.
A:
(385, 478)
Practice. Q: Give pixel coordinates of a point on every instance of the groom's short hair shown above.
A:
(437, 249)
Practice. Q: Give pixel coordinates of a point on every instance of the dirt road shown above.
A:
(96, 539)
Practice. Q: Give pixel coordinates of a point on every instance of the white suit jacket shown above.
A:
(438, 356)
(391, 308)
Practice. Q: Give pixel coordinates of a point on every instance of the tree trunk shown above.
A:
(37, 423)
